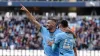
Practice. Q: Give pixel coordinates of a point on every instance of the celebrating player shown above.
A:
(47, 33)
(65, 41)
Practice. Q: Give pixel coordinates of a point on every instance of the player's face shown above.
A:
(50, 24)
(60, 26)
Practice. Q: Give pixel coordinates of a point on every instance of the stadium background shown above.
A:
(18, 35)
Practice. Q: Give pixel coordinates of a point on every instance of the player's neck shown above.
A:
(52, 30)
(65, 29)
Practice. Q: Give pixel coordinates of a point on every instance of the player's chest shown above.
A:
(50, 36)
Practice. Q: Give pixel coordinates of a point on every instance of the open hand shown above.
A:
(50, 43)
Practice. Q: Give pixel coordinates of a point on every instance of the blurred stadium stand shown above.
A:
(50, 0)
(51, 3)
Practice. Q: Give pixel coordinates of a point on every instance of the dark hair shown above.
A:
(53, 20)
(64, 23)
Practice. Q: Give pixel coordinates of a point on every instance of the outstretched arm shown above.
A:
(31, 17)
(69, 30)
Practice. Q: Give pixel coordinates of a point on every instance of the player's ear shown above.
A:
(59, 25)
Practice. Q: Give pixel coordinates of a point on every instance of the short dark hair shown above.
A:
(64, 23)
(53, 20)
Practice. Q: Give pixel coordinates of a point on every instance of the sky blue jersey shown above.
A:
(65, 42)
(49, 36)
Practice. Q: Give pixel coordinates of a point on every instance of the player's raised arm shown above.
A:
(69, 30)
(31, 17)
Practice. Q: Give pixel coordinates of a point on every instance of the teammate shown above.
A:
(47, 33)
(65, 41)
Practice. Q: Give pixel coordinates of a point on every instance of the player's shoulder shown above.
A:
(58, 30)
(61, 34)
(70, 35)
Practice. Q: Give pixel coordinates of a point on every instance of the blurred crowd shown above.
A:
(20, 33)
(88, 34)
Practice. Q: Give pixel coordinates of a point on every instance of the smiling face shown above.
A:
(50, 24)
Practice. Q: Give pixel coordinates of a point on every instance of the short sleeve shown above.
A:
(57, 39)
(43, 30)
(56, 42)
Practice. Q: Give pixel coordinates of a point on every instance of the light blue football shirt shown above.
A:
(49, 36)
(65, 42)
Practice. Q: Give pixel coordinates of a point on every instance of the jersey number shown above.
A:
(66, 45)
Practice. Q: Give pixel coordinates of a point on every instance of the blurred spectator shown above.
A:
(88, 34)
(35, 43)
